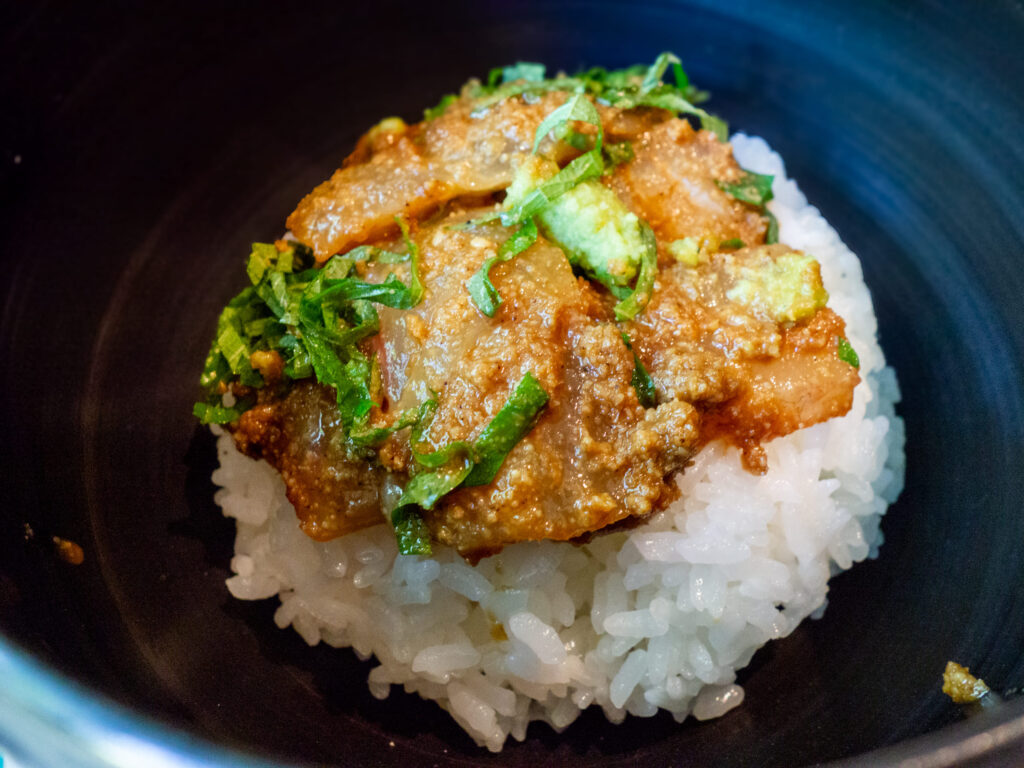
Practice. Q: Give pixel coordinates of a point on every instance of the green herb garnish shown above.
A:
(314, 318)
(634, 303)
(508, 427)
(583, 168)
(371, 437)
(590, 165)
(462, 463)
(373, 253)
(641, 380)
(847, 353)
(755, 189)
(617, 154)
(411, 531)
(637, 86)
(577, 107)
(438, 458)
(586, 166)
(415, 285)
(522, 70)
(627, 88)
(441, 107)
(208, 413)
(481, 289)
(771, 235)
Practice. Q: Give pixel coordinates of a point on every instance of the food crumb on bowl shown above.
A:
(961, 686)
(69, 551)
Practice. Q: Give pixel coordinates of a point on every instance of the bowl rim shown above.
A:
(40, 705)
(42, 708)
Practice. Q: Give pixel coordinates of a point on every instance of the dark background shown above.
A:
(144, 146)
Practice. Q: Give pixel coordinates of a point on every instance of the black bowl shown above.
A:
(143, 149)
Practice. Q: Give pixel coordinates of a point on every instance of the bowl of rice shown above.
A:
(159, 604)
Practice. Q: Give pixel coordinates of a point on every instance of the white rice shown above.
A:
(659, 617)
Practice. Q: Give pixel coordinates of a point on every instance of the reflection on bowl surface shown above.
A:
(151, 149)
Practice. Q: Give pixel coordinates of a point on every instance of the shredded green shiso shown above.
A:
(315, 318)
(636, 86)
(754, 189)
(847, 353)
(590, 165)
(463, 464)
(641, 381)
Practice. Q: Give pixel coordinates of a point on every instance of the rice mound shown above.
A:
(659, 617)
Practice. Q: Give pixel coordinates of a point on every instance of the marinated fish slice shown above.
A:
(595, 456)
(411, 170)
(671, 183)
(746, 337)
(301, 436)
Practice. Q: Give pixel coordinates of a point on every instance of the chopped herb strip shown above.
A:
(262, 258)
(652, 78)
(673, 102)
(481, 289)
(425, 489)
(771, 235)
(436, 458)
(654, 93)
(487, 96)
(578, 107)
(236, 351)
(847, 353)
(461, 463)
(641, 380)
(576, 140)
(411, 532)
(210, 413)
(586, 166)
(732, 244)
(523, 70)
(372, 437)
(508, 427)
(637, 86)
(633, 304)
(589, 165)
(392, 292)
(523, 75)
(617, 154)
(415, 285)
(430, 113)
(682, 81)
(373, 253)
(755, 189)
(313, 317)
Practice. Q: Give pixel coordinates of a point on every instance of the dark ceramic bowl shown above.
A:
(143, 149)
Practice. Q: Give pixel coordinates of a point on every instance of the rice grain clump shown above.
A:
(659, 617)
